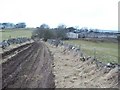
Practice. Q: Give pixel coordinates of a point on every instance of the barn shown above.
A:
(72, 35)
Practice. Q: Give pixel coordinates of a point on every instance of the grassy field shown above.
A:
(105, 51)
(14, 33)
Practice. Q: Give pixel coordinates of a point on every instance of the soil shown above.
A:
(30, 67)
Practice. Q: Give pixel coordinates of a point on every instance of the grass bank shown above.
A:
(14, 33)
(105, 51)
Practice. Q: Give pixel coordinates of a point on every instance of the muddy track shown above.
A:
(31, 68)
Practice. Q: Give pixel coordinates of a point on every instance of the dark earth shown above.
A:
(30, 67)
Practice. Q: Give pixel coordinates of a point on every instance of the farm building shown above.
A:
(6, 25)
(1, 26)
(11, 25)
(72, 35)
(97, 35)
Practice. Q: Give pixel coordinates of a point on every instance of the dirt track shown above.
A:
(30, 68)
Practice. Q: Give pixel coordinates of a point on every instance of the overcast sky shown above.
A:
(101, 14)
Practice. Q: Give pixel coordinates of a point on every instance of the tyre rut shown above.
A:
(31, 68)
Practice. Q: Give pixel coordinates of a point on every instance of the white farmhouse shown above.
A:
(72, 35)
(1, 26)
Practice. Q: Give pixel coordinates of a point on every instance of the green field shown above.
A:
(105, 51)
(14, 33)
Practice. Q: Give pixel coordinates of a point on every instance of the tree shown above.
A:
(85, 29)
(44, 33)
(91, 30)
(44, 26)
(61, 34)
(96, 30)
(48, 34)
(61, 31)
(61, 26)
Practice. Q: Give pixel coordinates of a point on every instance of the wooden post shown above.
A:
(95, 57)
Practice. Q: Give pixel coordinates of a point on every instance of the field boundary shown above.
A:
(76, 50)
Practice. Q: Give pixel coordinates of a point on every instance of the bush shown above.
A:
(49, 34)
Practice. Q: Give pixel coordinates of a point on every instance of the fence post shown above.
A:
(80, 47)
(81, 53)
(95, 57)
(94, 54)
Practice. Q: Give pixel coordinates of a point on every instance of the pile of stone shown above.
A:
(6, 43)
(77, 51)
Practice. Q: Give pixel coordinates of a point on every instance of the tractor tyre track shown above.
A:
(31, 68)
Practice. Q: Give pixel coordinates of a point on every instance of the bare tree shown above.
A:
(44, 26)
(61, 26)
